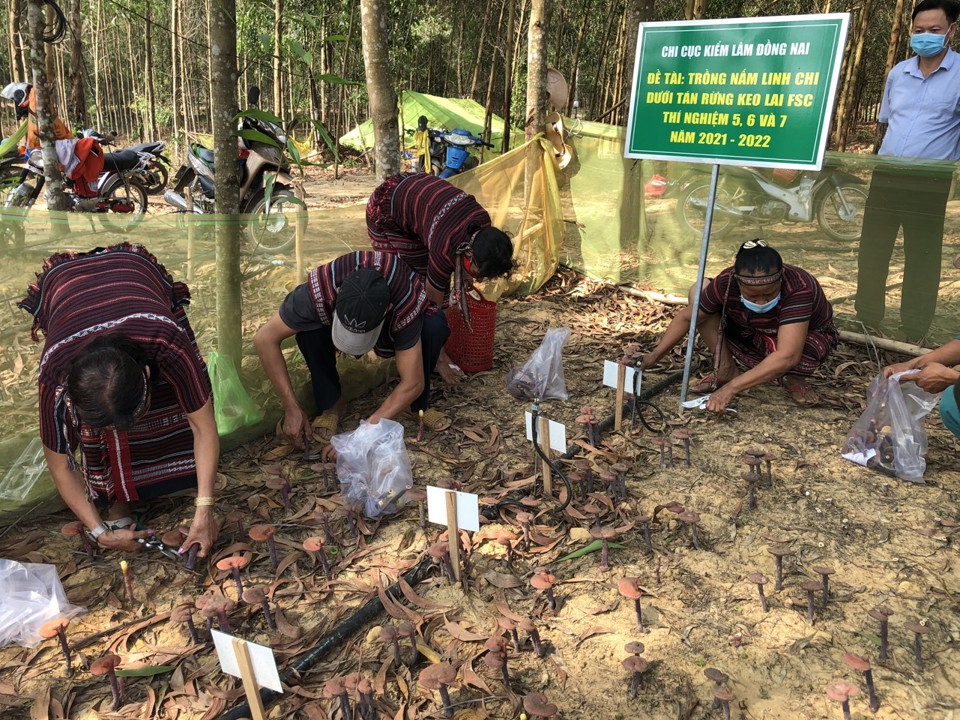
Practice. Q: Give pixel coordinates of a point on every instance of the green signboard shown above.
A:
(755, 91)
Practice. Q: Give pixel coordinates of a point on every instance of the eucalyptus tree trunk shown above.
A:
(277, 58)
(475, 75)
(508, 73)
(78, 95)
(53, 178)
(223, 70)
(148, 67)
(846, 105)
(695, 9)
(383, 98)
(536, 69)
(15, 42)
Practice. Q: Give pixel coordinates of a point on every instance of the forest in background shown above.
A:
(142, 67)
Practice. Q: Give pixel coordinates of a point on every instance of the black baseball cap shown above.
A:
(361, 305)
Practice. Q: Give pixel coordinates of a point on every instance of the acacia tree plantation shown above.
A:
(657, 564)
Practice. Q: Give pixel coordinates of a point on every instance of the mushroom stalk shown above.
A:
(445, 697)
(779, 584)
(127, 582)
(224, 623)
(272, 549)
(884, 638)
(345, 705)
(918, 651)
(236, 579)
(192, 629)
(191, 561)
(648, 543)
(267, 615)
(763, 598)
(810, 604)
(636, 606)
(871, 691)
(62, 637)
(115, 688)
(604, 557)
(634, 684)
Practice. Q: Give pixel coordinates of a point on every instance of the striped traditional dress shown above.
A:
(426, 221)
(119, 290)
(752, 336)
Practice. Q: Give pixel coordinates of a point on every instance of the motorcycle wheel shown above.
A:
(276, 232)
(692, 209)
(436, 169)
(12, 234)
(839, 222)
(131, 191)
(156, 180)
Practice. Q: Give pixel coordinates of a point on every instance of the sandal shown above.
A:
(325, 426)
(800, 390)
(708, 383)
(122, 523)
(433, 420)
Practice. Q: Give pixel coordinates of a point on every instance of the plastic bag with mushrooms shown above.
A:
(889, 436)
(373, 466)
(542, 375)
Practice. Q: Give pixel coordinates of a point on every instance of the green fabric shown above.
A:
(8, 144)
(443, 112)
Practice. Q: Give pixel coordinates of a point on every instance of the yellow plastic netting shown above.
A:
(606, 216)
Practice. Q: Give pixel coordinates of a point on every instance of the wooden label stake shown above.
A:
(618, 410)
(250, 686)
(544, 432)
(453, 533)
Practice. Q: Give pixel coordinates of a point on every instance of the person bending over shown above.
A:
(362, 301)
(122, 381)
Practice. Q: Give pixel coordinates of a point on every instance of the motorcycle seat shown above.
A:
(151, 148)
(204, 154)
(120, 160)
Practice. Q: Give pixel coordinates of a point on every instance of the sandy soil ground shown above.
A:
(891, 543)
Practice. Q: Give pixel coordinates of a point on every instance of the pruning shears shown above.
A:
(154, 543)
(700, 403)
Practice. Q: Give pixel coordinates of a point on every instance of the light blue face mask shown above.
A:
(766, 307)
(927, 45)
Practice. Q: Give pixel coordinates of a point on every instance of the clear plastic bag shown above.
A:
(889, 436)
(542, 375)
(232, 407)
(373, 466)
(30, 595)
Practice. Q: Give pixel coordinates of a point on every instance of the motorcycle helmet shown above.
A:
(19, 94)
(422, 123)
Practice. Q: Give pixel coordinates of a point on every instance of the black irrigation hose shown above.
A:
(333, 639)
(413, 576)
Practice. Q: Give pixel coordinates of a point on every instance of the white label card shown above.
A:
(468, 508)
(610, 376)
(558, 433)
(264, 665)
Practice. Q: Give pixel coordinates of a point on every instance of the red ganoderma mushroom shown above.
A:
(496, 657)
(759, 580)
(528, 626)
(918, 631)
(390, 636)
(107, 665)
(882, 614)
(723, 696)
(811, 587)
(779, 552)
(691, 518)
(604, 535)
(824, 572)
(234, 563)
(256, 596)
(841, 691)
(437, 677)
(538, 706)
(315, 545)
(440, 555)
(862, 665)
(407, 630)
(543, 580)
(265, 533)
(57, 629)
(183, 614)
(334, 689)
(636, 666)
(630, 589)
(77, 529)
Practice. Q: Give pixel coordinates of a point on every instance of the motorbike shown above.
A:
(118, 198)
(834, 199)
(155, 170)
(449, 151)
(267, 226)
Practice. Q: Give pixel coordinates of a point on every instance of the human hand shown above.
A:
(891, 370)
(125, 540)
(934, 377)
(328, 454)
(648, 360)
(203, 532)
(719, 399)
(295, 427)
(450, 373)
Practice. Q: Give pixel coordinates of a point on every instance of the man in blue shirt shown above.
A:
(921, 107)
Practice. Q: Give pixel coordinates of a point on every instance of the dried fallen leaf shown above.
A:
(461, 633)
(501, 580)
(591, 632)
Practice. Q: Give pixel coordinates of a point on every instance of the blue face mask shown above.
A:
(927, 45)
(766, 307)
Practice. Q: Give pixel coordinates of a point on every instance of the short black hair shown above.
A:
(757, 260)
(951, 8)
(492, 253)
(107, 382)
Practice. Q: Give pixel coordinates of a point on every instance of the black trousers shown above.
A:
(916, 202)
(321, 356)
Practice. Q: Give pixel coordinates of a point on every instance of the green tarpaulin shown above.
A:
(442, 112)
